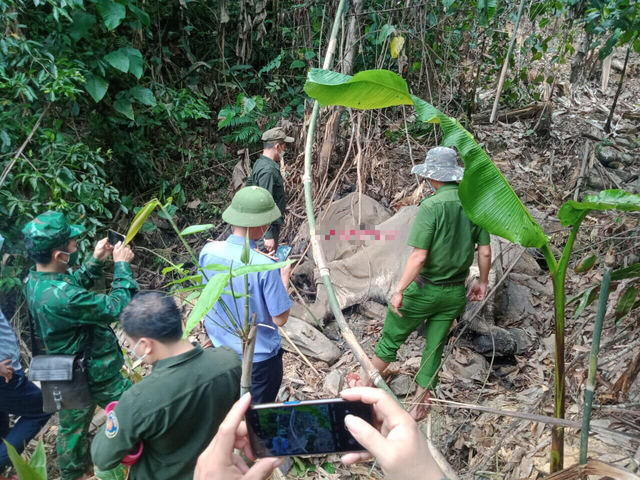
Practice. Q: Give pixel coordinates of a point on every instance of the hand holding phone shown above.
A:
(394, 439)
(218, 462)
(282, 253)
(314, 427)
(114, 238)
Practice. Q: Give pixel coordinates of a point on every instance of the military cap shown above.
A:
(251, 207)
(441, 164)
(276, 135)
(50, 230)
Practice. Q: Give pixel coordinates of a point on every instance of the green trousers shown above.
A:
(73, 441)
(436, 305)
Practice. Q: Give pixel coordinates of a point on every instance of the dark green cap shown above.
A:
(50, 230)
(251, 207)
(276, 135)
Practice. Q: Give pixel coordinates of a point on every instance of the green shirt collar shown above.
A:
(270, 162)
(446, 187)
(178, 359)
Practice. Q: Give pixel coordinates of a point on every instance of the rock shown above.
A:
(527, 265)
(515, 301)
(513, 341)
(606, 155)
(373, 310)
(402, 385)
(468, 364)
(310, 341)
(333, 383)
(627, 141)
(594, 180)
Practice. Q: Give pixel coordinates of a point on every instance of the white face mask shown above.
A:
(133, 352)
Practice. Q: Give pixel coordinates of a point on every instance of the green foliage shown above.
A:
(571, 211)
(34, 469)
(586, 264)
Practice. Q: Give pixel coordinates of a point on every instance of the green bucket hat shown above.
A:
(50, 230)
(251, 207)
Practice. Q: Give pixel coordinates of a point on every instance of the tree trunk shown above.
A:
(333, 124)
(607, 126)
(578, 64)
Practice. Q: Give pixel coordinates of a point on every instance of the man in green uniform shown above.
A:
(432, 286)
(175, 411)
(65, 312)
(266, 174)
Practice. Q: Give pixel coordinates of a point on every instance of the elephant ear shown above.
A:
(486, 196)
(605, 200)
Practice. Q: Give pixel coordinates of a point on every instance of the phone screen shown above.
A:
(282, 253)
(304, 428)
(114, 237)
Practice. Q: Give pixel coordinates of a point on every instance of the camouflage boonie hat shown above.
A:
(441, 164)
(251, 207)
(50, 230)
(277, 135)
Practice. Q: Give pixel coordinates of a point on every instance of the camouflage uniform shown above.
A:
(63, 310)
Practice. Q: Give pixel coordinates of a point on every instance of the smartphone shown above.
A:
(114, 237)
(313, 427)
(282, 253)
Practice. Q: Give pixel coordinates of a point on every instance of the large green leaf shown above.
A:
(38, 460)
(136, 63)
(143, 95)
(487, 198)
(141, 14)
(605, 200)
(118, 60)
(139, 219)
(124, 107)
(112, 13)
(207, 300)
(96, 86)
(82, 23)
(365, 90)
(23, 469)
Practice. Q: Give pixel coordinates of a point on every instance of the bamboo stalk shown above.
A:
(593, 363)
(559, 277)
(505, 66)
(247, 357)
(321, 261)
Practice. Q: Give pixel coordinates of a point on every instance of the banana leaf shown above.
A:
(605, 200)
(486, 196)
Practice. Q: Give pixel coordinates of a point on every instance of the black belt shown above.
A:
(420, 281)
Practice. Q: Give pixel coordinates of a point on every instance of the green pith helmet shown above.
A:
(251, 207)
(277, 135)
(50, 230)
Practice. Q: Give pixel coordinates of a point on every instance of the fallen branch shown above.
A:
(305, 359)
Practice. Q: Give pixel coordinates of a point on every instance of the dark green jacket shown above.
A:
(175, 411)
(266, 174)
(62, 306)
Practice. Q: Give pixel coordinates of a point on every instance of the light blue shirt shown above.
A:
(267, 298)
(9, 343)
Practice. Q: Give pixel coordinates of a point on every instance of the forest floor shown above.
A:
(544, 171)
